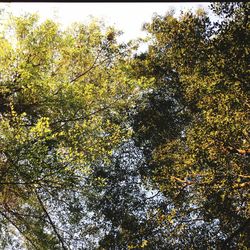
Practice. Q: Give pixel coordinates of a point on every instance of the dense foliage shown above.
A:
(103, 148)
(194, 127)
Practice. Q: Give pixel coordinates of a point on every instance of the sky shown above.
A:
(129, 17)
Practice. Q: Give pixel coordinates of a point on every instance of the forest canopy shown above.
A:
(105, 147)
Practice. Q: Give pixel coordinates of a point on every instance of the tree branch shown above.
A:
(50, 221)
(18, 229)
(89, 69)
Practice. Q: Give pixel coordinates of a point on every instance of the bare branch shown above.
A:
(51, 222)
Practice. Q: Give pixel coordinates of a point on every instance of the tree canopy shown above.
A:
(103, 147)
(194, 126)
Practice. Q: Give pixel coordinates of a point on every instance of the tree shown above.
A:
(64, 96)
(193, 125)
(101, 149)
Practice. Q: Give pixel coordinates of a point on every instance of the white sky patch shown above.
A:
(128, 17)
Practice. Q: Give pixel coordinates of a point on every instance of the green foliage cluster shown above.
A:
(103, 148)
